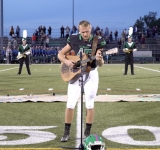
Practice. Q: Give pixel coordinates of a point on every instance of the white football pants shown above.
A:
(91, 82)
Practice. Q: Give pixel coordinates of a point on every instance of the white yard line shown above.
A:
(8, 69)
(78, 135)
(147, 69)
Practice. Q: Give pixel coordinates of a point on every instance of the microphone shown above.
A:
(80, 54)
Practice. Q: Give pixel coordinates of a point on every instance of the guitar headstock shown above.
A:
(112, 51)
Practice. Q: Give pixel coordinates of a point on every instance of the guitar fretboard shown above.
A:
(88, 59)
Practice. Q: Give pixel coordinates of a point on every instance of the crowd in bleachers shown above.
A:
(42, 35)
(41, 47)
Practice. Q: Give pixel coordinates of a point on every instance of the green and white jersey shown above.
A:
(23, 48)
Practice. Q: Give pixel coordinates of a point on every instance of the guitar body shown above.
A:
(23, 54)
(68, 73)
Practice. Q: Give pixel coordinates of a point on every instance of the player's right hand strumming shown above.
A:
(69, 63)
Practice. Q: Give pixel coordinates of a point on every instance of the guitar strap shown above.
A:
(94, 45)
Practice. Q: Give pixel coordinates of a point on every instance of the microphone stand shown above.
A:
(82, 91)
(81, 147)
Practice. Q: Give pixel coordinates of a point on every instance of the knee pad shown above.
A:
(71, 104)
(90, 103)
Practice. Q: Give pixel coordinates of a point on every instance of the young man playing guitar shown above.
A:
(81, 42)
(24, 51)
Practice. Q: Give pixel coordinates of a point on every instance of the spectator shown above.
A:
(67, 32)
(62, 32)
(106, 34)
(111, 36)
(49, 31)
(33, 39)
(44, 29)
(18, 31)
(74, 29)
(11, 33)
(39, 30)
(116, 35)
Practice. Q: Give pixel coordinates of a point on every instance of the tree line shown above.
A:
(149, 20)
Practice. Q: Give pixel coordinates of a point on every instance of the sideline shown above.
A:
(147, 69)
(8, 69)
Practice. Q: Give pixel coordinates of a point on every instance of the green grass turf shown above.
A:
(125, 114)
(48, 76)
(36, 114)
(106, 115)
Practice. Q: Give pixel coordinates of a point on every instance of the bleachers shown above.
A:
(151, 45)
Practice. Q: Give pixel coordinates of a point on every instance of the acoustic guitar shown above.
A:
(68, 73)
(20, 55)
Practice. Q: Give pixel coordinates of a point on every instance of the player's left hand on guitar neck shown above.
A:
(99, 54)
(99, 58)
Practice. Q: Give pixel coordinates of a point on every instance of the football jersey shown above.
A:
(77, 43)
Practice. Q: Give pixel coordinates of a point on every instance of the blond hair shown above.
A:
(84, 23)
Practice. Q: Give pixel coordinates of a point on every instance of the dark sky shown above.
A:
(114, 14)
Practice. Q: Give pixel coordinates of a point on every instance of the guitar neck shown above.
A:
(88, 59)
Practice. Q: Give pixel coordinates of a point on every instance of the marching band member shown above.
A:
(129, 47)
(23, 55)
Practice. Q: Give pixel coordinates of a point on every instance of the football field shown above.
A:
(122, 125)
